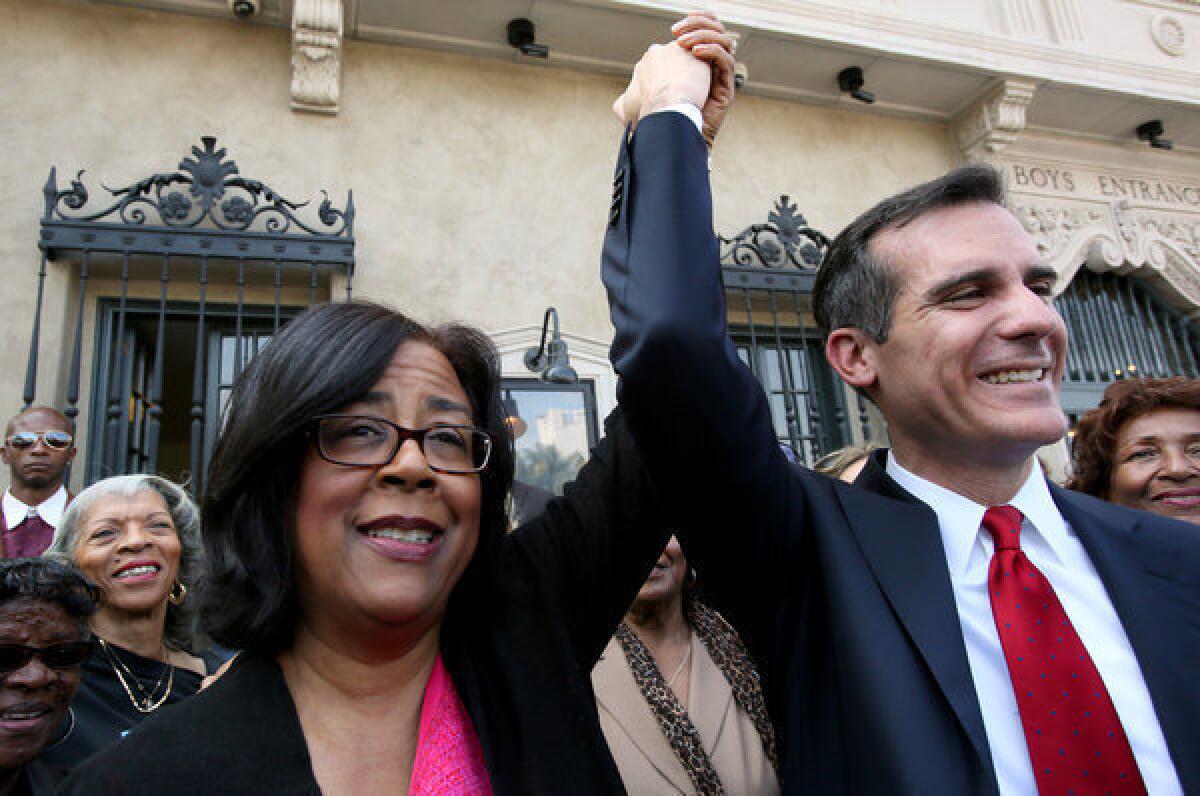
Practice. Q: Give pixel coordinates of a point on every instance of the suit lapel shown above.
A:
(1141, 561)
(617, 692)
(900, 539)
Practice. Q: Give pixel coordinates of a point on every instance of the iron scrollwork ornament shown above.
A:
(192, 197)
(786, 240)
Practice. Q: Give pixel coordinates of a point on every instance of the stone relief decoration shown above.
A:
(1066, 21)
(1119, 237)
(316, 55)
(994, 123)
(1168, 33)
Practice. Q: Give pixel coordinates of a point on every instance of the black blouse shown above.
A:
(102, 713)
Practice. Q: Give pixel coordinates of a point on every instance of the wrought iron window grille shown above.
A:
(203, 221)
(768, 270)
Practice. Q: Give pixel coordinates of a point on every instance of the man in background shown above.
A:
(38, 448)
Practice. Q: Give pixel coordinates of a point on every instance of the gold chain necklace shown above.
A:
(147, 704)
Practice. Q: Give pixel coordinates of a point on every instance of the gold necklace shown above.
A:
(147, 704)
(687, 656)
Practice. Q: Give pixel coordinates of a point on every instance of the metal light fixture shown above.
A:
(550, 359)
(1152, 133)
(850, 80)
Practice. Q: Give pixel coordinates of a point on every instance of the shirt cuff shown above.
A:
(689, 110)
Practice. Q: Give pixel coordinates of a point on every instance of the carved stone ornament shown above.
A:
(1119, 237)
(994, 123)
(316, 55)
(1168, 33)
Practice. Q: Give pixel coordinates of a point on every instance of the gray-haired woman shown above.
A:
(138, 538)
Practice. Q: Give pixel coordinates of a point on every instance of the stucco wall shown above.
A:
(481, 186)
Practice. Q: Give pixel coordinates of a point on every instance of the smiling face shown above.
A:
(38, 466)
(128, 547)
(1156, 465)
(665, 581)
(34, 698)
(974, 356)
(385, 546)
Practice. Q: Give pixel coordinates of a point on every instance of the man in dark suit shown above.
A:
(950, 623)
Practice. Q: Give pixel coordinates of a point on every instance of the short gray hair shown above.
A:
(180, 627)
(855, 289)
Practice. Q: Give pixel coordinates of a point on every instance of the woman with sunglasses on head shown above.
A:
(44, 612)
(395, 639)
(138, 538)
(38, 448)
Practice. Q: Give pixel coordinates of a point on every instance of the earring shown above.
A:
(178, 593)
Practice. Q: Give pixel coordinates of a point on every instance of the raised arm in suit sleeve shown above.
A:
(698, 415)
(584, 559)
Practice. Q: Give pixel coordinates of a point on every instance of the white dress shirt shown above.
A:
(51, 509)
(1053, 547)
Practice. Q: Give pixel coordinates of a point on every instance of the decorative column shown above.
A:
(316, 55)
(993, 123)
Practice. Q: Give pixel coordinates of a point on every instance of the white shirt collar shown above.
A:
(51, 509)
(960, 519)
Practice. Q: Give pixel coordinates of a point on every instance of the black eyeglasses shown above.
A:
(367, 441)
(59, 440)
(66, 655)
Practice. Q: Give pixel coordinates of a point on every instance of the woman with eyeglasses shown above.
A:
(396, 639)
(137, 537)
(38, 448)
(44, 612)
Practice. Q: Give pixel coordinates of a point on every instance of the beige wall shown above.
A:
(481, 186)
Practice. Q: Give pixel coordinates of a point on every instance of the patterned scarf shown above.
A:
(728, 652)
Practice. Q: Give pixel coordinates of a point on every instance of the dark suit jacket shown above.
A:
(841, 592)
(520, 653)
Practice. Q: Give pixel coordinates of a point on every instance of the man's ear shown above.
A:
(4, 454)
(852, 354)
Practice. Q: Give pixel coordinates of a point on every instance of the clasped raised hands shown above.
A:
(697, 68)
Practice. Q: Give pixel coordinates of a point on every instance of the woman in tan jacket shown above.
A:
(680, 702)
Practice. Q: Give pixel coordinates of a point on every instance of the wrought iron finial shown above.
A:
(786, 240)
(206, 191)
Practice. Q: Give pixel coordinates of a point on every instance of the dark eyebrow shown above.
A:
(437, 403)
(984, 274)
(1041, 272)
(434, 403)
(375, 397)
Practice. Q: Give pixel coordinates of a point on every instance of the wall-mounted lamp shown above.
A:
(1151, 132)
(850, 80)
(550, 360)
(522, 36)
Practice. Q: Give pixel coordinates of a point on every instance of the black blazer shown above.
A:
(520, 657)
(841, 592)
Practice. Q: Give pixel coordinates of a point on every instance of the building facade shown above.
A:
(468, 179)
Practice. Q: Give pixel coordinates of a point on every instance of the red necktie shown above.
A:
(1075, 739)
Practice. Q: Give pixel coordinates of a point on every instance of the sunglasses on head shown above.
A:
(65, 655)
(59, 440)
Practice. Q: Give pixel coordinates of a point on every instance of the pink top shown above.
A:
(449, 761)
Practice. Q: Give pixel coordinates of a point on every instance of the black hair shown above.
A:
(52, 582)
(857, 289)
(329, 356)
